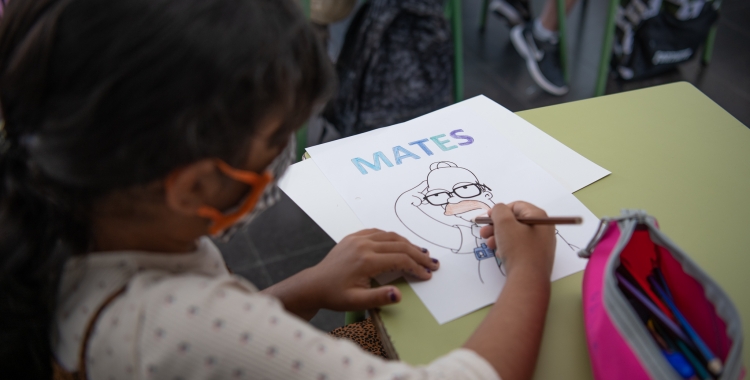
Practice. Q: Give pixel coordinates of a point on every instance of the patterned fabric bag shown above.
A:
(620, 345)
(396, 64)
(652, 37)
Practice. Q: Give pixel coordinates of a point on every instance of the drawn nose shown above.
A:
(452, 198)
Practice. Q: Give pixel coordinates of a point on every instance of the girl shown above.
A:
(133, 129)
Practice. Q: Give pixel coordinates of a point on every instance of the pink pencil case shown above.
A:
(620, 345)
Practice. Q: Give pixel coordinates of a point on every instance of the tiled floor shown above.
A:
(284, 240)
(279, 243)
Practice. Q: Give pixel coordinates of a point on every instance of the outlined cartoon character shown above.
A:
(572, 246)
(441, 210)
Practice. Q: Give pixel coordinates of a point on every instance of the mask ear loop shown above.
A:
(258, 182)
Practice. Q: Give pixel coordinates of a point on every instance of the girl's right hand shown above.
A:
(520, 246)
(510, 336)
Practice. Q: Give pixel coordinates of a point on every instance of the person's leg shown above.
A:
(514, 11)
(548, 18)
(537, 42)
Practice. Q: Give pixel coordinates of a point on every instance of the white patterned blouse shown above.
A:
(184, 316)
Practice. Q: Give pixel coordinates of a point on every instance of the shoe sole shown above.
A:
(519, 42)
(540, 80)
(516, 37)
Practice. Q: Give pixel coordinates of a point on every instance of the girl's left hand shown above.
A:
(342, 280)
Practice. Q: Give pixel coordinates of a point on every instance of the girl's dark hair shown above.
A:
(99, 95)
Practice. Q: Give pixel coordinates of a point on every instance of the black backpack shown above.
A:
(652, 38)
(396, 64)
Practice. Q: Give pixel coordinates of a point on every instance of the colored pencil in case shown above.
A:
(663, 281)
(638, 270)
(651, 307)
(699, 368)
(677, 345)
(675, 358)
(714, 364)
(661, 341)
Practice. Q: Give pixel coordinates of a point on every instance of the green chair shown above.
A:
(562, 33)
(302, 132)
(609, 33)
(453, 14)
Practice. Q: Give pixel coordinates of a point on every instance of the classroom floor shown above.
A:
(284, 240)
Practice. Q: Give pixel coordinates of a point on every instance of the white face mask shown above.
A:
(271, 194)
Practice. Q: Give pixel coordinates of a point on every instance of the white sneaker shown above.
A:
(542, 59)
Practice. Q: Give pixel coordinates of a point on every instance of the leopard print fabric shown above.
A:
(364, 334)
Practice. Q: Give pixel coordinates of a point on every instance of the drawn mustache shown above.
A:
(464, 206)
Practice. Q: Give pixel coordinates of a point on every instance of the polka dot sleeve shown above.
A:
(189, 327)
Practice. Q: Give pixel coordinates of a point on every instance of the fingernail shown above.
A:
(424, 250)
(428, 270)
(392, 295)
(434, 260)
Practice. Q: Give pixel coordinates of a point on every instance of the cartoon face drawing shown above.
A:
(441, 208)
(457, 192)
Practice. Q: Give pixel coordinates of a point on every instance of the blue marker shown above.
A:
(679, 363)
(714, 364)
(645, 301)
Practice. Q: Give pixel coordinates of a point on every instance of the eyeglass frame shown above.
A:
(482, 188)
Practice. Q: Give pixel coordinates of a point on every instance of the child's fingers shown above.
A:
(502, 214)
(366, 232)
(396, 262)
(491, 243)
(392, 236)
(388, 236)
(362, 299)
(409, 249)
(527, 210)
(486, 231)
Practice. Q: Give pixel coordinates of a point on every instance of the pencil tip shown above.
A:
(715, 366)
(474, 219)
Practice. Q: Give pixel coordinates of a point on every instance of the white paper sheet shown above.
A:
(387, 182)
(307, 186)
(567, 166)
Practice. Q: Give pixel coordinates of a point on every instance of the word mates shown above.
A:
(426, 146)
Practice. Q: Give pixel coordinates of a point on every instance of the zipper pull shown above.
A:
(603, 224)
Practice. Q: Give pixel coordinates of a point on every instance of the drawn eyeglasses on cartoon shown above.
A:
(441, 209)
(461, 190)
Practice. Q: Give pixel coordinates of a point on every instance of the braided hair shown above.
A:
(100, 95)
